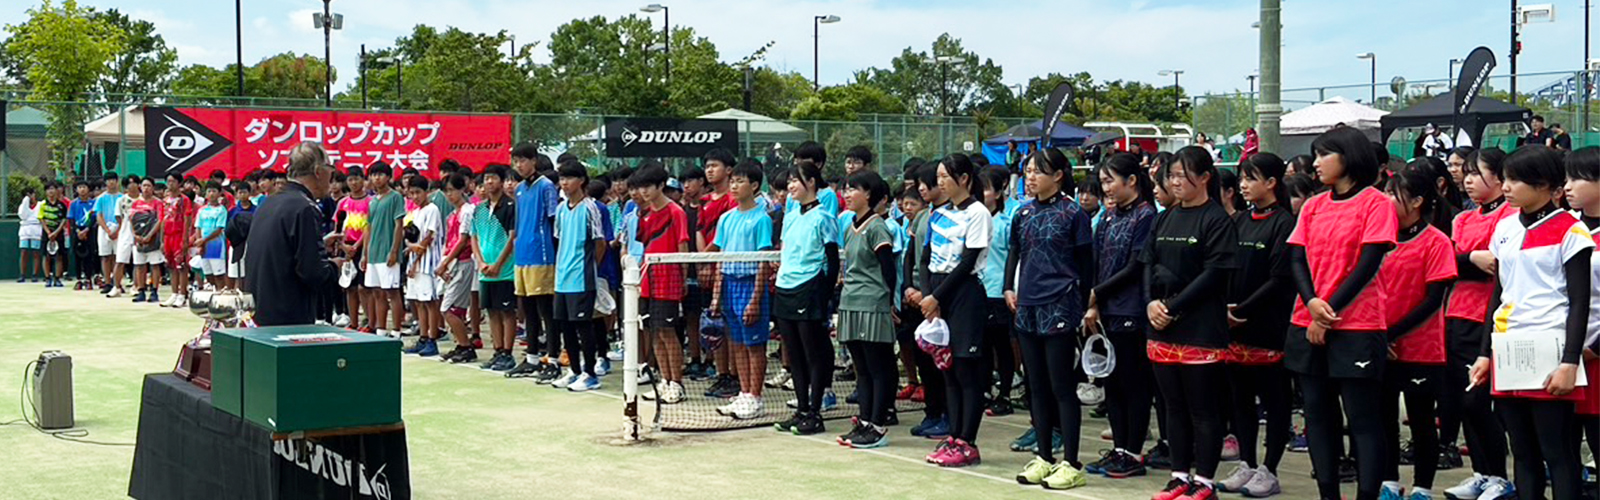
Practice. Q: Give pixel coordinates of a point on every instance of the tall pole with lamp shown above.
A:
(1177, 90)
(327, 22)
(666, 31)
(816, 48)
(1374, 58)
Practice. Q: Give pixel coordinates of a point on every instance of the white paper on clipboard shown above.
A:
(1524, 360)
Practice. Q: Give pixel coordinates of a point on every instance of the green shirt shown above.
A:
(383, 217)
(440, 200)
(919, 244)
(864, 287)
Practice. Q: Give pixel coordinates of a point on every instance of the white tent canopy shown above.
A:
(1322, 116)
(128, 123)
(753, 128)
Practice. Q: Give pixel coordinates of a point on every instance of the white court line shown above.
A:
(999, 479)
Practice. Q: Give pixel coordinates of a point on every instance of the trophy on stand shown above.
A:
(221, 309)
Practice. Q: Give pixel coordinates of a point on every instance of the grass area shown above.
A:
(477, 435)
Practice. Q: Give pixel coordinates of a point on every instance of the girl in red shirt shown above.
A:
(1583, 195)
(1337, 345)
(1417, 275)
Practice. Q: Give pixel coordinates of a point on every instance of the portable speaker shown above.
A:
(52, 390)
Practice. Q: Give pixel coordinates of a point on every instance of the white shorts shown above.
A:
(107, 248)
(424, 287)
(458, 291)
(152, 258)
(125, 249)
(383, 276)
(235, 264)
(214, 267)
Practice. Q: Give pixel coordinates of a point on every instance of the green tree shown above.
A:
(847, 103)
(925, 85)
(450, 69)
(66, 50)
(607, 65)
(777, 94)
(292, 76)
(202, 80)
(145, 65)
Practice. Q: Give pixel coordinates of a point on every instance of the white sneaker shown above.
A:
(749, 409)
(672, 393)
(1498, 488)
(1263, 484)
(341, 321)
(727, 409)
(615, 354)
(563, 382)
(1242, 474)
(115, 292)
(644, 376)
(778, 380)
(183, 301)
(649, 395)
(1472, 487)
(584, 383)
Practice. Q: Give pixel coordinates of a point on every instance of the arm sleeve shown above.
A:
(1013, 260)
(1209, 282)
(1578, 292)
(831, 272)
(1366, 269)
(1432, 301)
(1273, 287)
(1485, 349)
(1083, 257)
(1469, 271)
(962, 273)
(1304, 284)
(886, 265)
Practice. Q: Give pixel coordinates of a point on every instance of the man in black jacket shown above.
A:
(288, 268)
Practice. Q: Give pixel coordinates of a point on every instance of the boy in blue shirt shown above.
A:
(105, 210)
(580, 245)
(536, 201)
(739, 296)
(209, 223)
(83, 241)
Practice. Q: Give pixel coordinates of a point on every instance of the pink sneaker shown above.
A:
(941, 452)
(1230, 448)
(961, 454)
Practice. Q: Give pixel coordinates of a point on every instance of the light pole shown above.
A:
(944, 87)
(399, 67)
(1374, 58)
(816, 37)
(666, 31)
(1252, 78)
(238, 44)
(327, 22)
(362, 68)
(1177, 100)
(1450, 80)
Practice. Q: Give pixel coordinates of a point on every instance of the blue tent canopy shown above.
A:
(1065, 135)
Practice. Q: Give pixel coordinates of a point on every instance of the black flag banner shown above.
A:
(1474, 75)
(1054, 108)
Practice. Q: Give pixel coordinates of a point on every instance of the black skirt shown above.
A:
(966, 314)
(1347, 354)
(807, 302)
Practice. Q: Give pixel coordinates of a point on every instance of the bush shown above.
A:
(18, 185)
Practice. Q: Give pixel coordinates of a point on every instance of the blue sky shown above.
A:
(1211, 40)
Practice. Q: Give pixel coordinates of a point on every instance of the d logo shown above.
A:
(179, 142)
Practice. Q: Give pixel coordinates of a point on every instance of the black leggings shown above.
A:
(1270, 384)
(997, 340)
(876, 377)
(1543, 435)
(1053, 377)
(1194, 418)
(1421, 385)
(538, 318)
(810, 358)
(1362, 400)
(965, 382)
(582, 344)
(1128, 394)
(1471, 412)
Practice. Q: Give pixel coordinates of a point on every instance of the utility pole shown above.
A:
(1516, 47)
(1270, 109)
(363, 69)
(238, 45)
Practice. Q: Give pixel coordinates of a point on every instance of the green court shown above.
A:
(477, 435)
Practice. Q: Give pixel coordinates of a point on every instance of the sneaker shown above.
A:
(1107, 435)
(829, 401)
(906, 392)
(787, 425)
(1407, 453)
(524, 369)
(644, 375)
(477, 342)
(725, 387)
(585, 383)
(1498, 488)
(492, 361)
(998, 408)
(1390, 491)
(1230, 448)
(1198, 491)
(1347, 470)
(1449, 456)
(727, 409)
(1098, 466)
(941, 451)
(462, 354)
(893, 419)
(1065, 477)
(1159, 457)
(938, 429)
(778, 380)
(749, 409)
(854, 398)
(563, 381)
(1263, 484)
(1035, 471)
(672, 393)
(1027, 442)
(155, 297)
(871, 436)
(1420, 494)
(615, 354)
(1242, 474)
(1174, 489)
(430, 348)
(788, 384)
(917, 430)
(1298, 443)
(547, 372)
(1124, 465)
(416, 347)
(960, 454)
(919, 396)
(181, 301)
(809, 425)
(855, 429)
(139, 297)
(506, 363)
(604, 368)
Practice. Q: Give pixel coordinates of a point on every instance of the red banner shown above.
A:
(198, 141)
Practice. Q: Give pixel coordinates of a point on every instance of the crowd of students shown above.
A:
(1340, 283)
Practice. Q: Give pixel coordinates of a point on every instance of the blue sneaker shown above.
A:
(939, 429)
(1389, 492)
(416, 347)
(604, 368)
(1029, 441)
(430, 348)
(1420, 494)
(584, 383)
(830, 402)
(1299, 444)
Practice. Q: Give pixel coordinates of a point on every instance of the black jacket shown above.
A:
(287, 269)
